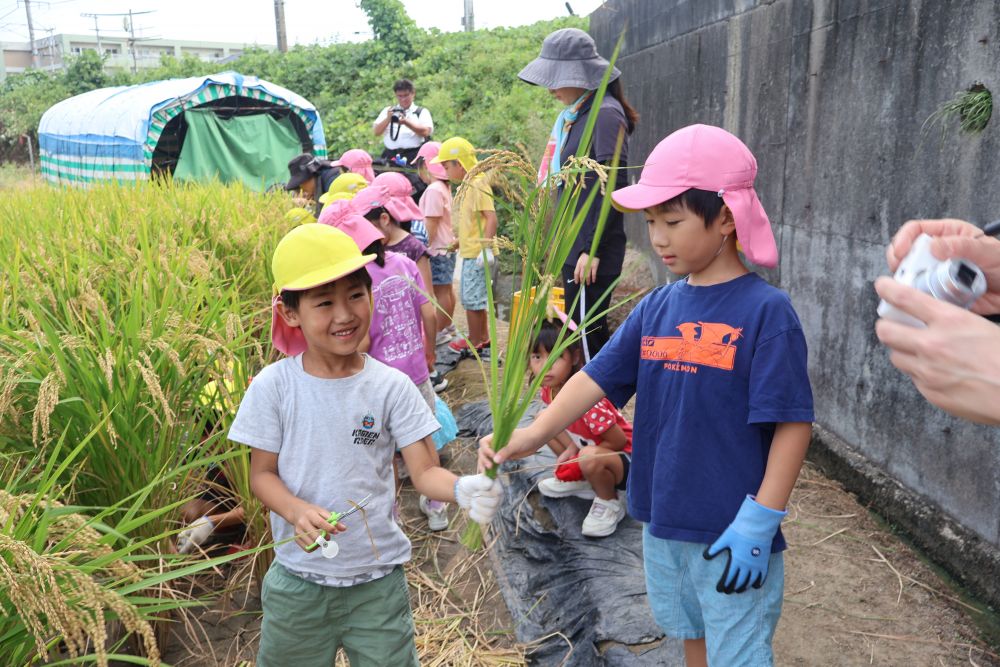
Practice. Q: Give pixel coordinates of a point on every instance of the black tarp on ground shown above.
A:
(555, 580)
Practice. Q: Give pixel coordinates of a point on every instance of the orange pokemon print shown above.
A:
(702, 343)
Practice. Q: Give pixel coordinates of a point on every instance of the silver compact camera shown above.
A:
(955, 281)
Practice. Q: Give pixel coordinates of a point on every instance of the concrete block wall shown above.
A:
(832, 97)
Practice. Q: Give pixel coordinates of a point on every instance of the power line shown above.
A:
(129, 28)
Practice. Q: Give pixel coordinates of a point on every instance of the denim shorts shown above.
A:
(680, 583)
(473, 285)
(443, 268)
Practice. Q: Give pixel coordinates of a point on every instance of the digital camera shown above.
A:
(397, 113)
(955, 281)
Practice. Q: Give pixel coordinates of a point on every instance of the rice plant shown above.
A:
(124, 302)
(69, 574)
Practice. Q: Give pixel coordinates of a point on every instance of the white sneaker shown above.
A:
(436, 512)
(603, 518)
(556, 488)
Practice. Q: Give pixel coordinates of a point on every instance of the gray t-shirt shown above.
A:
(335, 440)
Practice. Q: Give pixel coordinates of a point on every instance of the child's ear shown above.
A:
(290, 316)
(728, 225)
(384, 220)
(576, 357)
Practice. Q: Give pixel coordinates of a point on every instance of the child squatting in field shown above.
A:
(323, 424)
(717, 364)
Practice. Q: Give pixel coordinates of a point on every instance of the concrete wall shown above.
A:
(831, 96)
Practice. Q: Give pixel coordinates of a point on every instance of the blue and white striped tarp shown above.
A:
(111, 133)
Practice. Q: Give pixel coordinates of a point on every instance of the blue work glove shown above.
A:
(748, 541)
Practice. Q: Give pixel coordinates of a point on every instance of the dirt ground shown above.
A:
(855, 593)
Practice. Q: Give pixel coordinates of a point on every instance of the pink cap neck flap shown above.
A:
(286, 339)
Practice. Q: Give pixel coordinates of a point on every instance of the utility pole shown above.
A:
(279, 23)
(49, 43)
(469, 20)
(129, 25)
(31, 34)
(97, 31)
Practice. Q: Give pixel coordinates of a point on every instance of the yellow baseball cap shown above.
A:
(299, 216)
(313, 254)
(349, 183)
(336, 196)
(459, 149)
(308, 256)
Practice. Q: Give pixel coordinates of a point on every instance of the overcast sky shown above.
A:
(252, 21)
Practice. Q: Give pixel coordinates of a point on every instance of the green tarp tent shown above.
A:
(251, 149)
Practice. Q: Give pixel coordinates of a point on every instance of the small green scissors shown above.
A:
(329, 548)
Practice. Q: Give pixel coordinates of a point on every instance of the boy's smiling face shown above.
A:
(334, 318)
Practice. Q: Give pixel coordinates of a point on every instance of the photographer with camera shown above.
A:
(954, 361)
(403, 127)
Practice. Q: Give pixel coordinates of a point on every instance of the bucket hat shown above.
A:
(428, 151)
(341, 215)
(301, 168)
(358, 161)
(707, 158)
(569, 59)
(310, 255)
(349, 183)
(459, 149)
(401, 206)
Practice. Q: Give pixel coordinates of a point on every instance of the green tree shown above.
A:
(23, 100)
(85, 72)
(392, 26)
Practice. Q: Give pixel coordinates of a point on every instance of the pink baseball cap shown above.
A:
(706, 158)
(428, 152)
(358, 161)
(341, 215)
(374, 196)
(400, 205)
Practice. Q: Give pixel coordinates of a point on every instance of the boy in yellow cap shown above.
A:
(477, 225)
(324, 424)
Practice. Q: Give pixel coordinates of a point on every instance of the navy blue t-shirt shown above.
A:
(713, 369)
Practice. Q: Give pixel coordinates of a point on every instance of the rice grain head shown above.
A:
(53, 598)
(48, 398)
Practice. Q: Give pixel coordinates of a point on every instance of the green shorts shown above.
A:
(305, 623)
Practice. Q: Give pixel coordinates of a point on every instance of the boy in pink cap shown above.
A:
(323, 425)
(435, 204)
(717, 364)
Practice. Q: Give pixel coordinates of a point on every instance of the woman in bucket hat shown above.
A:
(570, 67)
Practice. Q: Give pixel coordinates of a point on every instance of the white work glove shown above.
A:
(489, 258)
(196, 533)
(480, 495)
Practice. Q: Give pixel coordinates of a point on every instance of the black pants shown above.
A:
(597, 332)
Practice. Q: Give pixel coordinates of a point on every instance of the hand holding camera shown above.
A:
(951, 239)
(956, 281)
(397, 114)
(951, 355)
